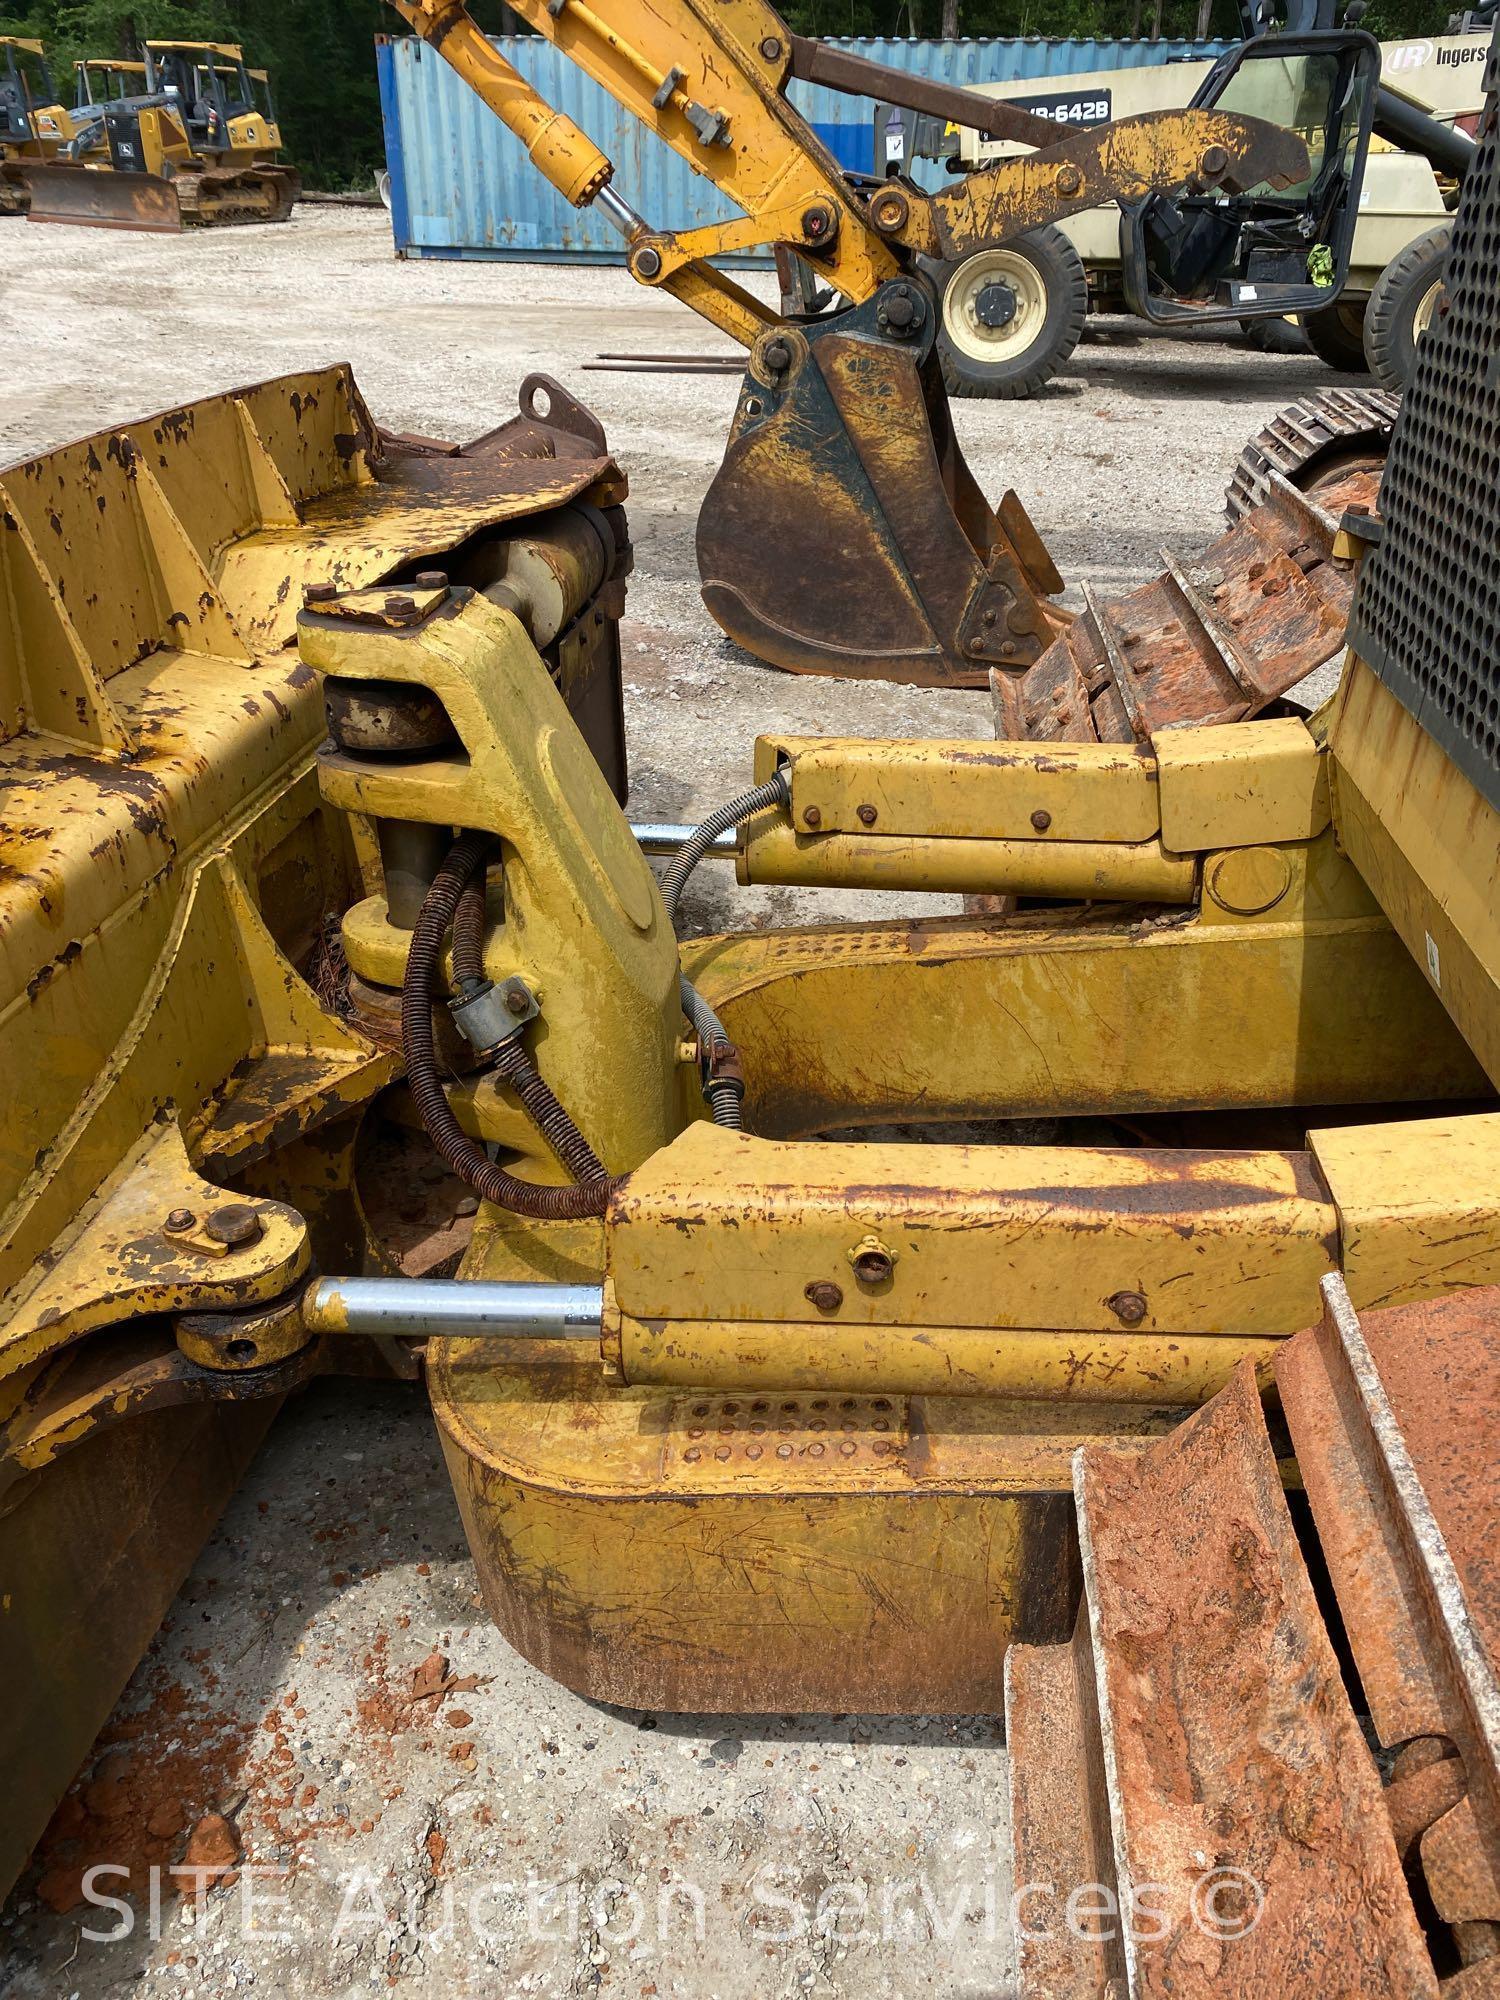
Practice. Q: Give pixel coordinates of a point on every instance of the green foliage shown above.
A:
(322, 62)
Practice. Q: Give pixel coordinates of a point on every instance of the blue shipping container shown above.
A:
(462, 186)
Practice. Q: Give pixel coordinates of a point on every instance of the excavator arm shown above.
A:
(844, 533)
(710, 82)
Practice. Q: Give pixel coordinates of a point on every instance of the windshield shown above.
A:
(1318, 95)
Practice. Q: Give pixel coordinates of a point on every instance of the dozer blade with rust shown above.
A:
(100, 198)
(845, 534)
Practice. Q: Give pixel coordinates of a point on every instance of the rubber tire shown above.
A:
(1330, 338)
(1390, 336)
(1066, 288)
(1274, 336)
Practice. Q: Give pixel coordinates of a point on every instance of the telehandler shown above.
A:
(319, 901)
(1013, 313)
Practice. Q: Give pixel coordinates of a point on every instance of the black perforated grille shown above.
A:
(1427, 613)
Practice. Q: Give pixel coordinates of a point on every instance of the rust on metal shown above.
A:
(845, 534)
(1208, 641)
(1395, 1416)
(1240, 1785)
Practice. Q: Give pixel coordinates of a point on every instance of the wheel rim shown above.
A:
(962, 323)
(1426, 307)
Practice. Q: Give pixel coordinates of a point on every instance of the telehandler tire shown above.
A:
(1404, 299)
(1337, 336)
(1011, 315)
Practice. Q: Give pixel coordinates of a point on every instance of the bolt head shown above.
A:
(901, 311)
(319, 593)
(1215, 160)
(770, 48)
(815, 223)
(515, 1001)
(811, 816)
(1007, 649)
(432, 579)
(1128, 1307)
(235, 1224)
(824, 1294)
(181, 1219)
(1041, 819)
(868, 815)
(1069, 180)
(648, 262)
(399, 605)
(777, 356)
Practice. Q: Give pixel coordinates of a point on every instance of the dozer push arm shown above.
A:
(711, 82)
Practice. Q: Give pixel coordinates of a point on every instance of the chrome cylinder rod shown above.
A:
(657, 837)
(453, 1309)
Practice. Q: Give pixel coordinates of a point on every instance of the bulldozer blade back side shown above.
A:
(94, 198)
(845, 534)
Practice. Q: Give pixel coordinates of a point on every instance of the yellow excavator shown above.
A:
(197, 145)
(844, 533)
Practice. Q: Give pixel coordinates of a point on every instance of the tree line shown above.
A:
(321, 58)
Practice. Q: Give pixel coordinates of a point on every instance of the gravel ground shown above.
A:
(437, 1815)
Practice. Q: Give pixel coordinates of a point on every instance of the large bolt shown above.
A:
(777, 356)
(515, 1000)
(319, 593)
(901, 311)
(824, 1294)
(816, 223)
(811, 816)
(180, 1219)
(235, 1225)
(647, 262)
(399, 605)
(1215, 160)
(868, 815)
(432, 579)
(1041, 820)
(1068, 179)
(770, 48)
(1127, 1307)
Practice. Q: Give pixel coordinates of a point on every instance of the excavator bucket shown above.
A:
(845, 534)
(96, 198)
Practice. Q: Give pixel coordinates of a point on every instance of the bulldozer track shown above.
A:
(1332, 424)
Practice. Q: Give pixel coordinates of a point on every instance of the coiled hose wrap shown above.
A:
(775, 792)
(456, 900)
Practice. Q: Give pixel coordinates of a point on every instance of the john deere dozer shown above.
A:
(196, 146)
(844, 533)
(34, 126)
(316, 877)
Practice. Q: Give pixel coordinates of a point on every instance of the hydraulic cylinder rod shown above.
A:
(454, 1309)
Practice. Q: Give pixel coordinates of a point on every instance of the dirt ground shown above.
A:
(409, 1803)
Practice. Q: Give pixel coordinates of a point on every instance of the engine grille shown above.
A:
(1427, 613)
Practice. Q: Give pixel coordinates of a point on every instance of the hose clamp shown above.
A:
(487, 1015)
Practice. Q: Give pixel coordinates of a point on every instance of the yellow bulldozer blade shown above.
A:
(98, 198)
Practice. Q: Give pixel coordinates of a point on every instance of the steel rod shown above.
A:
(454, 1308)
(659, 837)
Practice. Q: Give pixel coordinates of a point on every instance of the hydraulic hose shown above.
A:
(775, 792)
(724, 1087)
(463, 870)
